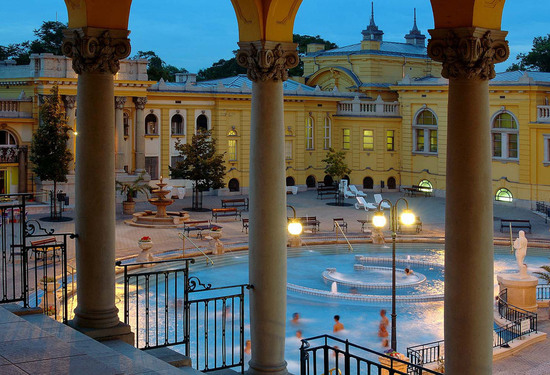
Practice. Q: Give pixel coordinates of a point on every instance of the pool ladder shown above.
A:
(184, 237)
(338, 227)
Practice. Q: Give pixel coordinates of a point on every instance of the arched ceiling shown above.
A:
(467, 13)
(103, 14)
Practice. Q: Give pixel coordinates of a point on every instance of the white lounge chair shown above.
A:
(292, 189)
(361, 203)
(357, 192)
(378, 198)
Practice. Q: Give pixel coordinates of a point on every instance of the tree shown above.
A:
(200, 164)
(538, 59)
(544, 275)
(49, 152)
(336, 164)
(157, 68)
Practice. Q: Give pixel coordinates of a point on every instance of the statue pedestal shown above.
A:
(522, 290)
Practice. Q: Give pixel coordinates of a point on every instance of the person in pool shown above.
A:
(338, 326)
(409, 272)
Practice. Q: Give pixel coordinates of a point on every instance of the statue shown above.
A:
(520, 245)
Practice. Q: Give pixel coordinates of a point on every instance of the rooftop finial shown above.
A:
(415, 37)
(372, 14)
(414, 24)
(372, 32)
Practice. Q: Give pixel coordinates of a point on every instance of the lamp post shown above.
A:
(379, 220)
(295, 229)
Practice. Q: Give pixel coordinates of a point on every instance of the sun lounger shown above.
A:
(378, 198)
(356, 192)
(361, 203)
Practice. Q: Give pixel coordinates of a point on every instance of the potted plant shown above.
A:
(131, 189)
(145, 243)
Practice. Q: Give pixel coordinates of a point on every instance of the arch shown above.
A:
(346, 177)
(368, 183)
(392, 185)
(311, 181)
(505, 135)
(426, 185)
(290, 181)
(151, 124)
(504, 195)
(233, 185)
(329, 77)
(8, 138)
(202, 123)
(178, 125)
(328, 180)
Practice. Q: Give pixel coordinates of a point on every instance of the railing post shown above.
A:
(346, 359)
(186, 331)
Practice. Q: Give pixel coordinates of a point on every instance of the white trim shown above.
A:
(504, 132)
(546, 140)
(310, 140)
(427, 129)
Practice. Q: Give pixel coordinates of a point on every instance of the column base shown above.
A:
(521, 290)
(104, 319)
(262, 370)
(122, 332)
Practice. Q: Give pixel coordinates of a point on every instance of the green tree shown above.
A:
(49, 153)
(537, 59)
(544, 275)
(200, 164)
(336, 166)
(157, 68)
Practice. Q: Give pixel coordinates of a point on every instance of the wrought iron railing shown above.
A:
(544, 209)
(328, 354)
(522, 322)
(543, 292)
(426, 353)
(167, 307)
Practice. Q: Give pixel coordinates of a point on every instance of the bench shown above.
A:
(416, 226)
(414, 189)
(245, 225)
(41, 248)
(237, 202)
(515, 223)
(309, 221)
(332, 191)
(341, 222)
(232, 211)
(198, 226)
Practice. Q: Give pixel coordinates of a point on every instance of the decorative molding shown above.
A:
(291, 12)
(265, 60)
(119, 102)
(96, 50)
(140, 102)
(69, 101)
(468, 53)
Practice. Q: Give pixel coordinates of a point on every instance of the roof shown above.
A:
(516, 78)
(386, 48)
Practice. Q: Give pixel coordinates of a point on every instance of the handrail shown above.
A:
(345, 237)
(183, 237)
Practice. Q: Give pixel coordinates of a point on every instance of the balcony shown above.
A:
(543, 113)
(12, 108)
(368, 108)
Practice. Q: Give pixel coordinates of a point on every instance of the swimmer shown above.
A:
(295, 318)
(248, 347)
(299, 334)
(337, 325)
(409, 272)
(383, 326)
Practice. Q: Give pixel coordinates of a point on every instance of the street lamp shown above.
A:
(294, 225)
(379, 221)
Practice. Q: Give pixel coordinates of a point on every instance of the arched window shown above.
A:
(426, 186)
(178, 127)
(151, 127)
(309, 133)
(126, 124)
(328, 181)
(368, 183)
(233, 185)
(7, 139)
(327, 134)
(505, 136)
(425, 132)
(503, 195)
(202, 123)
(232, 145)
(311, 182)
(290, 181)
(346, 177)
(391, 183)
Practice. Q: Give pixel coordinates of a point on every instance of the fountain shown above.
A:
(159, 218)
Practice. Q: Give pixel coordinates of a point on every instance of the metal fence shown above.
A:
(426, 353)
(168, 307)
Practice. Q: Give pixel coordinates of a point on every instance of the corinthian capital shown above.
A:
(96, 50)
(119, 102)
(70, 101)
(469, 52)
(265, 60)
(140, 102)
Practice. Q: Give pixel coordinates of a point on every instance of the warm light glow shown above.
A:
(407, 217)
(75, 133)
(295, 227)
(379, 220)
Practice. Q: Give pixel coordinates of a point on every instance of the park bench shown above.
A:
(416, 226)
(416, 189)
(341, 222)
(309, 222)
(198, 226)
(236, 202)
(232, 211)
(41, 248)
(332, 191)
(245, 225)
(515, 223)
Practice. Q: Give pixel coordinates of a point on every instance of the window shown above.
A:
(7, 139)
(391, 183)
(368, 140)
(503, 195)
(151, 127)
(232, 145)
(233, 185)
(426, 186)
(390, 140)
(311, 182)
(368, 183)
(290, 181)
(309, 133)
(328, 133)
(546, 139)
(202, 123)
(346, 135)
(505, 136)
(152, 166)
(425, 132)
(178, 127)
(126, 124)
(174, 160)
(288, 149)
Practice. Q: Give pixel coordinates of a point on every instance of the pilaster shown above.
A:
(70, 110)
(120, 157)
(140, 134)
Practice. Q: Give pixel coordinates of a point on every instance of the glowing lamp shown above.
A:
(407, 217)
(294, 227)
(379, 220)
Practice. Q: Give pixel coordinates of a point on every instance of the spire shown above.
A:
(372, 32)
(414, 36)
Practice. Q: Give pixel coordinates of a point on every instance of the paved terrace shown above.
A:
(431, 210)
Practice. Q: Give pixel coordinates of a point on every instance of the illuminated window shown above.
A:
(328, 133)
(151, 125)
(346, 138)
(425, 132)
(368, 140)
(503, 195)
(390, 140)
(309, 133)
(232, 145)
(7, 139)
(126, 124)
(505, 136)
(178, 127)
(426, 186)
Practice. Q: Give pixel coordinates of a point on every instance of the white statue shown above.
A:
(520, 244)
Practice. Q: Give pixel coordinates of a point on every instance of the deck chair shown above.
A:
(361, 203)
(357, 192)
(378, 198)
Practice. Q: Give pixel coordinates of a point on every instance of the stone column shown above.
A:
(468, 56)
(139, 131)
(267, 63)
(70, 110)
(96, 54)
(120, 158)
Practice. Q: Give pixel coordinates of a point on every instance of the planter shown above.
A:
(128, 208)
(216, 234)
(145, 245)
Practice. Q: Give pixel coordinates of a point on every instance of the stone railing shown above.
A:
(9, 154)
(375, 108)
(543, 113)
(11, 108)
